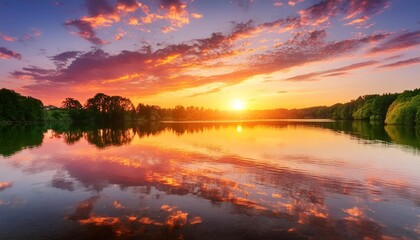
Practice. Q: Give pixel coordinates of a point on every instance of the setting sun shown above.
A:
(238, 104)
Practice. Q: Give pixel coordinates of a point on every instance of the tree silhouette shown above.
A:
(71, 103)
(99, 103)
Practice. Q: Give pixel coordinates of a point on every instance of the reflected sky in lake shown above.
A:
(269, 180)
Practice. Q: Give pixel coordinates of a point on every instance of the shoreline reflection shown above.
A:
(268, 180)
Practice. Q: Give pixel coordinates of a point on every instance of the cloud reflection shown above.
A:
(292, 192)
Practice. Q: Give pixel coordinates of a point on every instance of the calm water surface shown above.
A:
(245, 180)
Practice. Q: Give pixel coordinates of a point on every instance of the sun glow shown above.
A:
(238, 105)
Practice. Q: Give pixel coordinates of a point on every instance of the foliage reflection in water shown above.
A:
(244, 180)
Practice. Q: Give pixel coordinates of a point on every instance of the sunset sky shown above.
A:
(210, 53)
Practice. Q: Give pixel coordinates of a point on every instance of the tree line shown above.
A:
(390, 108)
(17, 108)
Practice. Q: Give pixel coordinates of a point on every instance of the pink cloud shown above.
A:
(33, 34)
(7, 38)
(6, 54)
(364, 7)
(277, 4)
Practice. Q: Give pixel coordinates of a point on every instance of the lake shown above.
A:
(211, 180)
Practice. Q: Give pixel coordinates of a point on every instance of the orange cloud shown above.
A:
(358, 20)
(178, 16)
(128, 5)
(196, 15)
(121, 33)
(354, 212)
(195, 220)
(276, 195)
(5, 185)
(176, 219)
(133, 21)
(167, 208)
(294, 2)
(149, 221)
(100, 221)
(101, 21)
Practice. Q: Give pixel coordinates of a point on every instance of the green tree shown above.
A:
(17, 108)
(404, 109)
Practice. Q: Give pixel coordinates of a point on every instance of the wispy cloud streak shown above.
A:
(402, 63)
(331, 73)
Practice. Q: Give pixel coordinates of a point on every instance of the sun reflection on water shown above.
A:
(239, 128)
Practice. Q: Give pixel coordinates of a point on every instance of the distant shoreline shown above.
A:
(390, 108)
(252, 120)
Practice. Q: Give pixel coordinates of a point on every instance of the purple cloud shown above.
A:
(99, 7)
(128, 4)
(171, 3)
(330, 73)
(400, 42)
(6, 53)
(65, 56)
(326, 9)
(402, 63)
(86, 31)
(62, 59)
